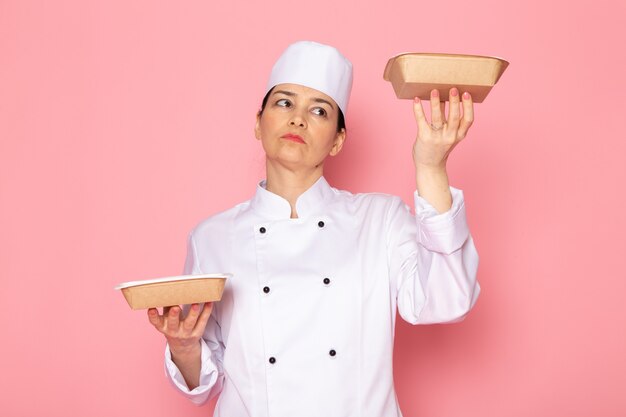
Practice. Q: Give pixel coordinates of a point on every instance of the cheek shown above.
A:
(269, 122)
(329, 134)
(326, 127)
(260, 128)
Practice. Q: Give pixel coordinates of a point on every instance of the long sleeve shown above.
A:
(432, 260)
(211, 372)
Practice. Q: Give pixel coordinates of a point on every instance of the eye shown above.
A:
(320, 111)
(283, 102)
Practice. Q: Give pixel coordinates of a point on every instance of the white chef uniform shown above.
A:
(306, 324)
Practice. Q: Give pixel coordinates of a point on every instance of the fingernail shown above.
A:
(454, 92)
(416, 100)
(466, 95)
(435, 93)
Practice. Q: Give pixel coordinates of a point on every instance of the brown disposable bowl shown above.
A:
(416, 74)
(163, 292)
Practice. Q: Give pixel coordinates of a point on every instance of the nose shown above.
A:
(297, 120)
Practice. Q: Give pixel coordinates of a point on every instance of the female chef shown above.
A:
(306, 324)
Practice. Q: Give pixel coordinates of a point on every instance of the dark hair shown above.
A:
(341, 121)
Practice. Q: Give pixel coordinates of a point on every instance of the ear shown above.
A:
(340, 138)
(257, 126)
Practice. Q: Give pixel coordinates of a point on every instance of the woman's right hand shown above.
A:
(182, 334)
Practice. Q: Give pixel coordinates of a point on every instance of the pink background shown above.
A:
(124, 123)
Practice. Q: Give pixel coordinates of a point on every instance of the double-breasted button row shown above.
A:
(263, 230)
(326, 282)
(332, 353)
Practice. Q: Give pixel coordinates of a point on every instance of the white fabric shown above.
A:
(316, 66)
(377, 256)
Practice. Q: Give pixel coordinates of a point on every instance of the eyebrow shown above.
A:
(315, 99)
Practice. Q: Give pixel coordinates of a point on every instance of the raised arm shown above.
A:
(434, 143)
(432, 258)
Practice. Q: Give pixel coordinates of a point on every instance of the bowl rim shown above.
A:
(224, 275)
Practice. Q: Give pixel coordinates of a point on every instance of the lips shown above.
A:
(292, 137)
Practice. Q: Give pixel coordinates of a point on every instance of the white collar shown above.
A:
(276, 207)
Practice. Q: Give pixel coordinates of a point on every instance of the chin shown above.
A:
(289, 161)
(288, 153)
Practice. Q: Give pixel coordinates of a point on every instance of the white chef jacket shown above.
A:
(305, 326)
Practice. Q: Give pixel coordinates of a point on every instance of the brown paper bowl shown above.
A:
(163, 292)
(416, 74)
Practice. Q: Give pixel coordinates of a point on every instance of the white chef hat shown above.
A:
(317, 66)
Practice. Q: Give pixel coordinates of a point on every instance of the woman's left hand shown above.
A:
(435, 140)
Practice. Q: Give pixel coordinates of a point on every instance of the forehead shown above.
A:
(304, 92)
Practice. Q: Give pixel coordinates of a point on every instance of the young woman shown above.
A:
(306, 324)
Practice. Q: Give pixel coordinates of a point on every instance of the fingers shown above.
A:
(420, 118)
(468, 115)
(203, 319)
(454, 116)
(164, 322)
(196, 320)
(155, 319)
(192, 316)
(173, 318)
(176, 329)
(437, 109)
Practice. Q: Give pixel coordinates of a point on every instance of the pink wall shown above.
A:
(124, 123)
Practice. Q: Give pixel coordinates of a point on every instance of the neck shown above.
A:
(290, 184)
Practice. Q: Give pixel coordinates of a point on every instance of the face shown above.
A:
(298, 127)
